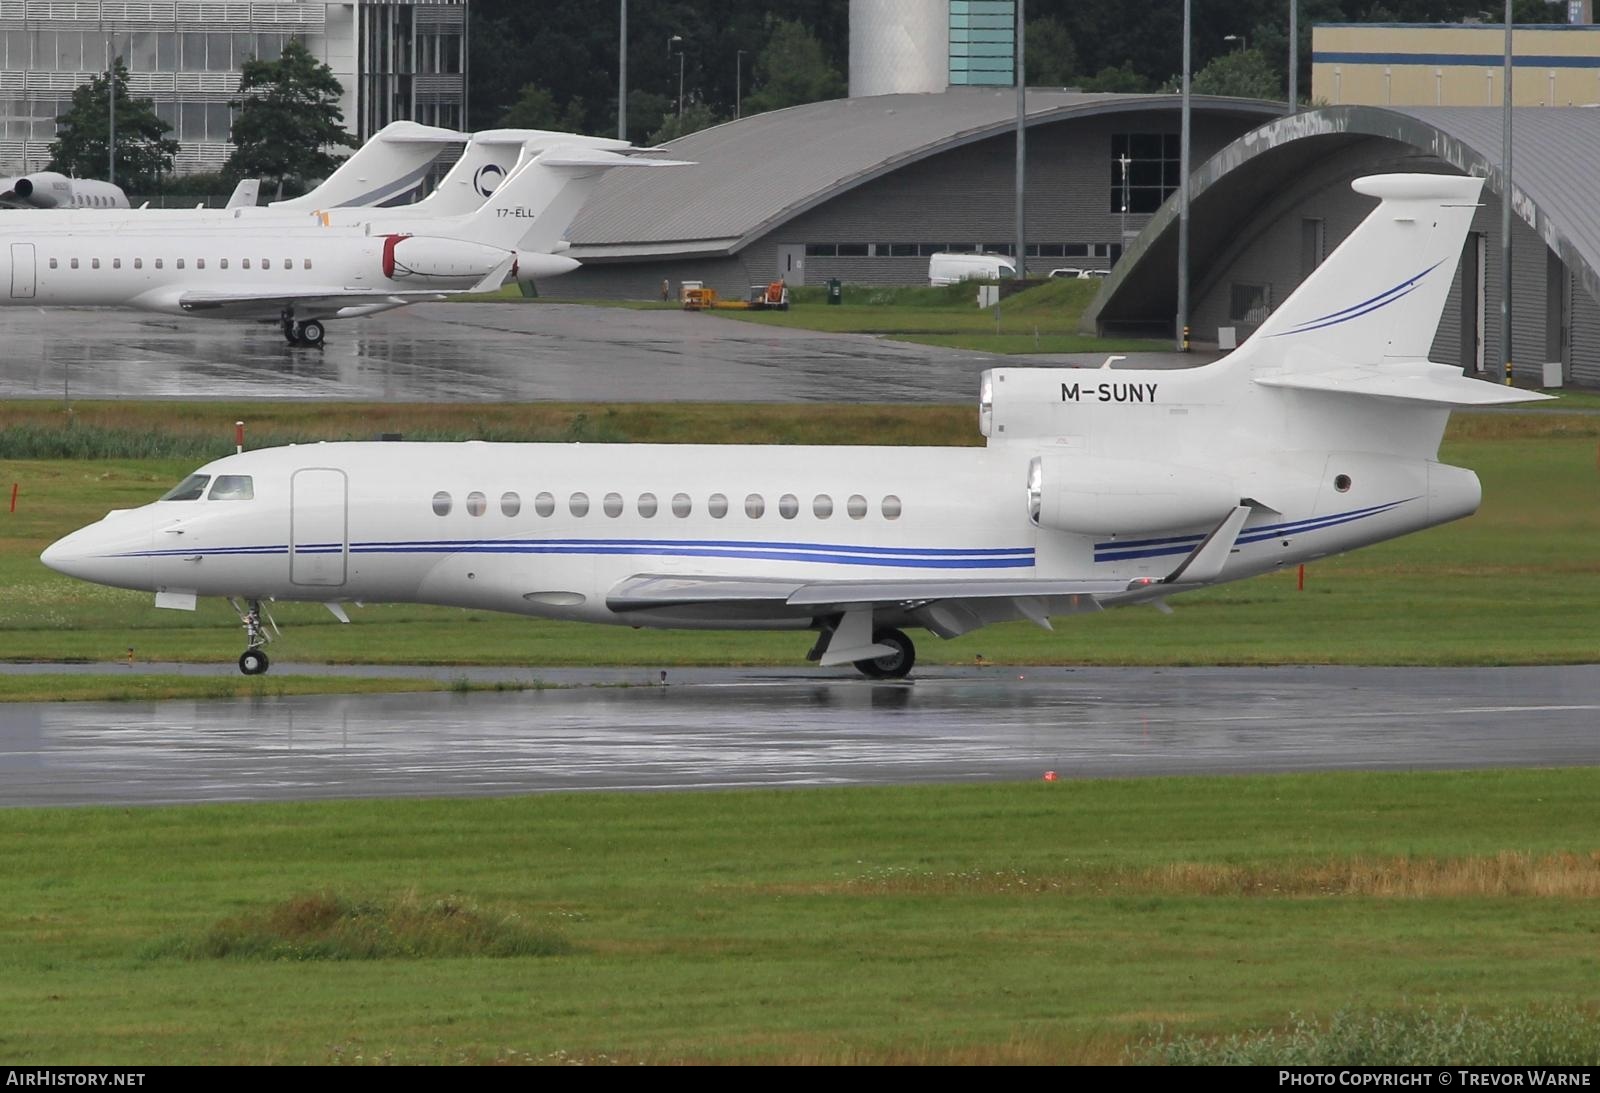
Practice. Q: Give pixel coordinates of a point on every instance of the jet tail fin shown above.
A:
(489, 160)
(246, 194)
(533, 208)
(1379, 295)
(390, 165)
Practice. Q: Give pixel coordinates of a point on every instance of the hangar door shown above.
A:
(22, 271)
(319, 542)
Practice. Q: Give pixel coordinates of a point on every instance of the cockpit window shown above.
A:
(190, 489)
(233, 487)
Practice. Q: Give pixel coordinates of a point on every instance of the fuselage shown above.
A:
(551, 529)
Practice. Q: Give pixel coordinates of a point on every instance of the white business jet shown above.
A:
(53, 190)
(1097, 489)
(303, 274)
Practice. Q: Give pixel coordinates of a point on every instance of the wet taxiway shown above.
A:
(481, 353)
(733, 728)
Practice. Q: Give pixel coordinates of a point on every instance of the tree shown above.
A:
(288, 116)
(791, 70)
(535, 108)
(696, 116)
(1051, 57)
(1242, 73)
(1121, 79)
(144, 151)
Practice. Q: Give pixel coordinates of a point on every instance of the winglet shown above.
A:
(1206, 562)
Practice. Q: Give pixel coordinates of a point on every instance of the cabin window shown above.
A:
(266, 263)
(180, 263)
(199, 263)
(233, 487)
(717, 506)
(681, 505)
(190, 489)
(754, 506)
(891, 507)
(578, 504)
(158, 263)
(856, 506)
(441, 504)
(510, 504)
(138, 263)
(224, 263)
(74, 263)
(822, 506)
(613, 504)
(288, 263)
(52, 263)
(305, 263)
(647, 505)
(116, 263)
(544, 504)
(477, 503)
(1342, 483)
(244, 263)
(94, 263)
(788, 506)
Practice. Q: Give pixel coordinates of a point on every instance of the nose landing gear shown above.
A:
(253, 661)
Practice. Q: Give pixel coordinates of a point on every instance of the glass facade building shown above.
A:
(395, 59)
(983, 43)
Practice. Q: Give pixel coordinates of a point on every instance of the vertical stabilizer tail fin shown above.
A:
(390, 165)
(489, 160)
(533, 208)
(1379, 295)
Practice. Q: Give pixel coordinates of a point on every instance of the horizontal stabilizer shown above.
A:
(1437, 384)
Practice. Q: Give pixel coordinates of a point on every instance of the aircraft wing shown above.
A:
(317, 300)
(947, 607)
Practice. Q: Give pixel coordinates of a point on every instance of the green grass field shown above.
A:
(1035, 923)
(1519, 583)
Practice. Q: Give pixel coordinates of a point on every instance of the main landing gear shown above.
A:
(253, 661)
(308, 333)
(895, 665)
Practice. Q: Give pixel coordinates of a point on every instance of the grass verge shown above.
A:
(1037, 922)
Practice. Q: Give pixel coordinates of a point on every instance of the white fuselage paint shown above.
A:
(961, 513)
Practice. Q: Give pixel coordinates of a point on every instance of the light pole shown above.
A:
(1022, 144)
(675, 45)
(1294, 56)
(622, 75)
(1183, 193)
(738, 83)
(111, 97)
(1505, 205)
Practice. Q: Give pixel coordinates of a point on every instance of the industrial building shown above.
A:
(1271, 205)
(1455, 64)
(396, 59)
(865, 189)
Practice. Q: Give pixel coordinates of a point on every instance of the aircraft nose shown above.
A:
(115, 551)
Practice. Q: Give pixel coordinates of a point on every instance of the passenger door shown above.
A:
(22, 276)
(319, 543)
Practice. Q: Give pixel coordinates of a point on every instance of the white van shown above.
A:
(949, 269)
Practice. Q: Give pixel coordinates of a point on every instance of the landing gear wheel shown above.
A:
(309, 333)
(253, 662)
(896, 665)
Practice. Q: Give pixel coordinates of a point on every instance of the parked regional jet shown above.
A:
(53, 190)
(1098, 488)
(325, 268)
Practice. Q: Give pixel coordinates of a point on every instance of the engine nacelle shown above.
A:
(44, 190)
(1089, 495)
(535, 265)
(429, 258)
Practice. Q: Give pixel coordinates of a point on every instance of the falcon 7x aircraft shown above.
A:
(300, 272)
(1097, 489)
